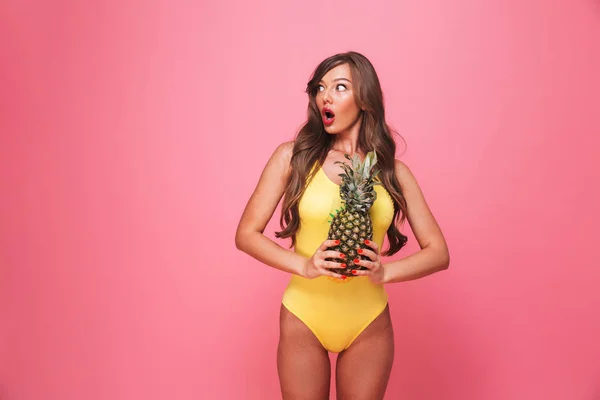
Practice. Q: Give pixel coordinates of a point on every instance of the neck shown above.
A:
(346, 142)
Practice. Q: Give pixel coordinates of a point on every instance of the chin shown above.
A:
(331, 130)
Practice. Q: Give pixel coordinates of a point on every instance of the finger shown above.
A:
(328, 243)
(364, 263)
(325, 271)
(332, 264)
(333, 254)
(322, 264)
(372, 245)
(369, 253)
(359, 272)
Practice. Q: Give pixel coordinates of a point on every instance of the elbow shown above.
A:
(444, 260)
(440, 256)
(242, 238)
(239, 243)
(239, 240)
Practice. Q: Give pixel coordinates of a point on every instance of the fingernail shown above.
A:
(367, 241)
(343, 265)
(343, 276)
(356, 260)
(353, 272)
(337, 242)
(360, 251)
(342, 255)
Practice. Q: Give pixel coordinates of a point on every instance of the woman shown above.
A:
(323, 310)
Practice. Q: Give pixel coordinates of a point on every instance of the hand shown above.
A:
(375, 270)
(317, 265)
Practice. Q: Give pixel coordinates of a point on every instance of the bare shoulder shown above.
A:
(404, 174)
(285, 149)
(269, 190)
(400, 166)
(283, 155)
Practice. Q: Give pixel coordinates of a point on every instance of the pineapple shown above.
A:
(351, 224)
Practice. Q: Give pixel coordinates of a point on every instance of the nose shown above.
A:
(326, 96)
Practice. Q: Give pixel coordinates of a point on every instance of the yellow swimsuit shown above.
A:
(335, 310)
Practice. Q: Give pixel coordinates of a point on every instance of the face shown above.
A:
(335, 100)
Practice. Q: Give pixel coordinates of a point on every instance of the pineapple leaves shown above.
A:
(358, 180)
(366, 167)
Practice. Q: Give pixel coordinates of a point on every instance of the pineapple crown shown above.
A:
(358, 180)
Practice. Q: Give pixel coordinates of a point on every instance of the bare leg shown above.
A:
(363, 370)
(302, 362)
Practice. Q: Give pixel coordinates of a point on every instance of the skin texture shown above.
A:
(303, 364)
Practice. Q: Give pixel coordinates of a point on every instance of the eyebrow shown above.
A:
(339, 79)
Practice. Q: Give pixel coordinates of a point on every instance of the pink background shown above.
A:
(132, 134)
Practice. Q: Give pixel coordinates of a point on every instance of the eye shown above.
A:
(320, 88)
(341, 85)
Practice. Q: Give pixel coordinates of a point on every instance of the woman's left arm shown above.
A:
(434, 255)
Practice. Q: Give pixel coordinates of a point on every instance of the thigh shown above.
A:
(302, 362)
(363, 369)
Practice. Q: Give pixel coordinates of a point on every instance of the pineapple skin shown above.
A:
(351, 229)
(352, 224)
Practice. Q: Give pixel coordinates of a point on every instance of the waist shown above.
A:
(353, 289)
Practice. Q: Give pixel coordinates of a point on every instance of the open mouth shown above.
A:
(328, 116)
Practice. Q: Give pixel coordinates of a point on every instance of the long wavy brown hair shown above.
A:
(313, 143)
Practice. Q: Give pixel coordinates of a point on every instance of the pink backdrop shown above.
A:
(132, 134)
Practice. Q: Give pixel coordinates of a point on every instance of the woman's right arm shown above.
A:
(249, 236)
